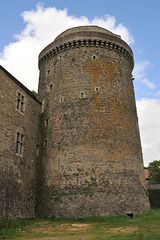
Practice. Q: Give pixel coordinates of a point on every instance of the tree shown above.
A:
(154, 172)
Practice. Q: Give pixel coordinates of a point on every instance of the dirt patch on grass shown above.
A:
(66, 227)
(48, 229)
(124, 229)
(74, 227)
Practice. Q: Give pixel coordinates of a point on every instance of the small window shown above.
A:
(50, 87)
(49, 71)
(20, 102)
(46, 123)
(37, 150)
(82, 95)
(45, 143)
(61, 99)
(20, 144)
(97, 89)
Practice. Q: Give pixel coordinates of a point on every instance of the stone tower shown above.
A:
(91, 152)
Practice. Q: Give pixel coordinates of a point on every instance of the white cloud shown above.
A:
(149, 115)
(149, 84)
(109, 22)
(139, 73)
(20, 58)
(140, 69)
(157, 94)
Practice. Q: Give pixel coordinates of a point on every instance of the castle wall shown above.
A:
(79, 152)
(19, 123)
(91, 150)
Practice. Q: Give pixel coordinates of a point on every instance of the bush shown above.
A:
(154, 197)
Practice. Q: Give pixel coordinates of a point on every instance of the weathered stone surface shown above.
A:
(17, 173)
(91, 151)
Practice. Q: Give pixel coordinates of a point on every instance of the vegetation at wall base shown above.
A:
(144, 226)
(154, 172)
(154, 197)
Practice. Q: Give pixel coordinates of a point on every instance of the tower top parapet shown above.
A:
(84, 29)
(89, 36)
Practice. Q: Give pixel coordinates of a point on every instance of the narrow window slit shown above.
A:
(97, 89)
(37, 150)
(46, 122)
(82, 95)
(61, 100)
(45, 143)
(50, 86)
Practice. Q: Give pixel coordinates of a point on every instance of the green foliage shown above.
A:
(154, 197)
(154, 172)
(11, 228)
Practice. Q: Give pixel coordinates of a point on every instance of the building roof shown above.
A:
(146, 174)
(85, 29)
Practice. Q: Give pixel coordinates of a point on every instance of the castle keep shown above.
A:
(74, 150)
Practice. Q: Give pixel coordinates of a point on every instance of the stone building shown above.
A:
(19, 137)
(74, 150)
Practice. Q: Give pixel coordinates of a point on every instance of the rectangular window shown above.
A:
(37, 150)
(45, 143)
(20, 102)
(82, 95)
(46, 123)
(17, 143)
(20, 144)
(50, 87)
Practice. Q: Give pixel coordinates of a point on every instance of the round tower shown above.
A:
(91, 151)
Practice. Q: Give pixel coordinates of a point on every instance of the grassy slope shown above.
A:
(145, 226)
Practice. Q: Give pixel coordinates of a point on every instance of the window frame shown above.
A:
(82, 95)
(20, 143)
(20, 102)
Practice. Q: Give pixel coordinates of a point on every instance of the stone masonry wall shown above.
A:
(91, 150)
(17, 171)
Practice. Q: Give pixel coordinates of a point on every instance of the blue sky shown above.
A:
(27, 26)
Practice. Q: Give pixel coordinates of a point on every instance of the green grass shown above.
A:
(145, 226)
